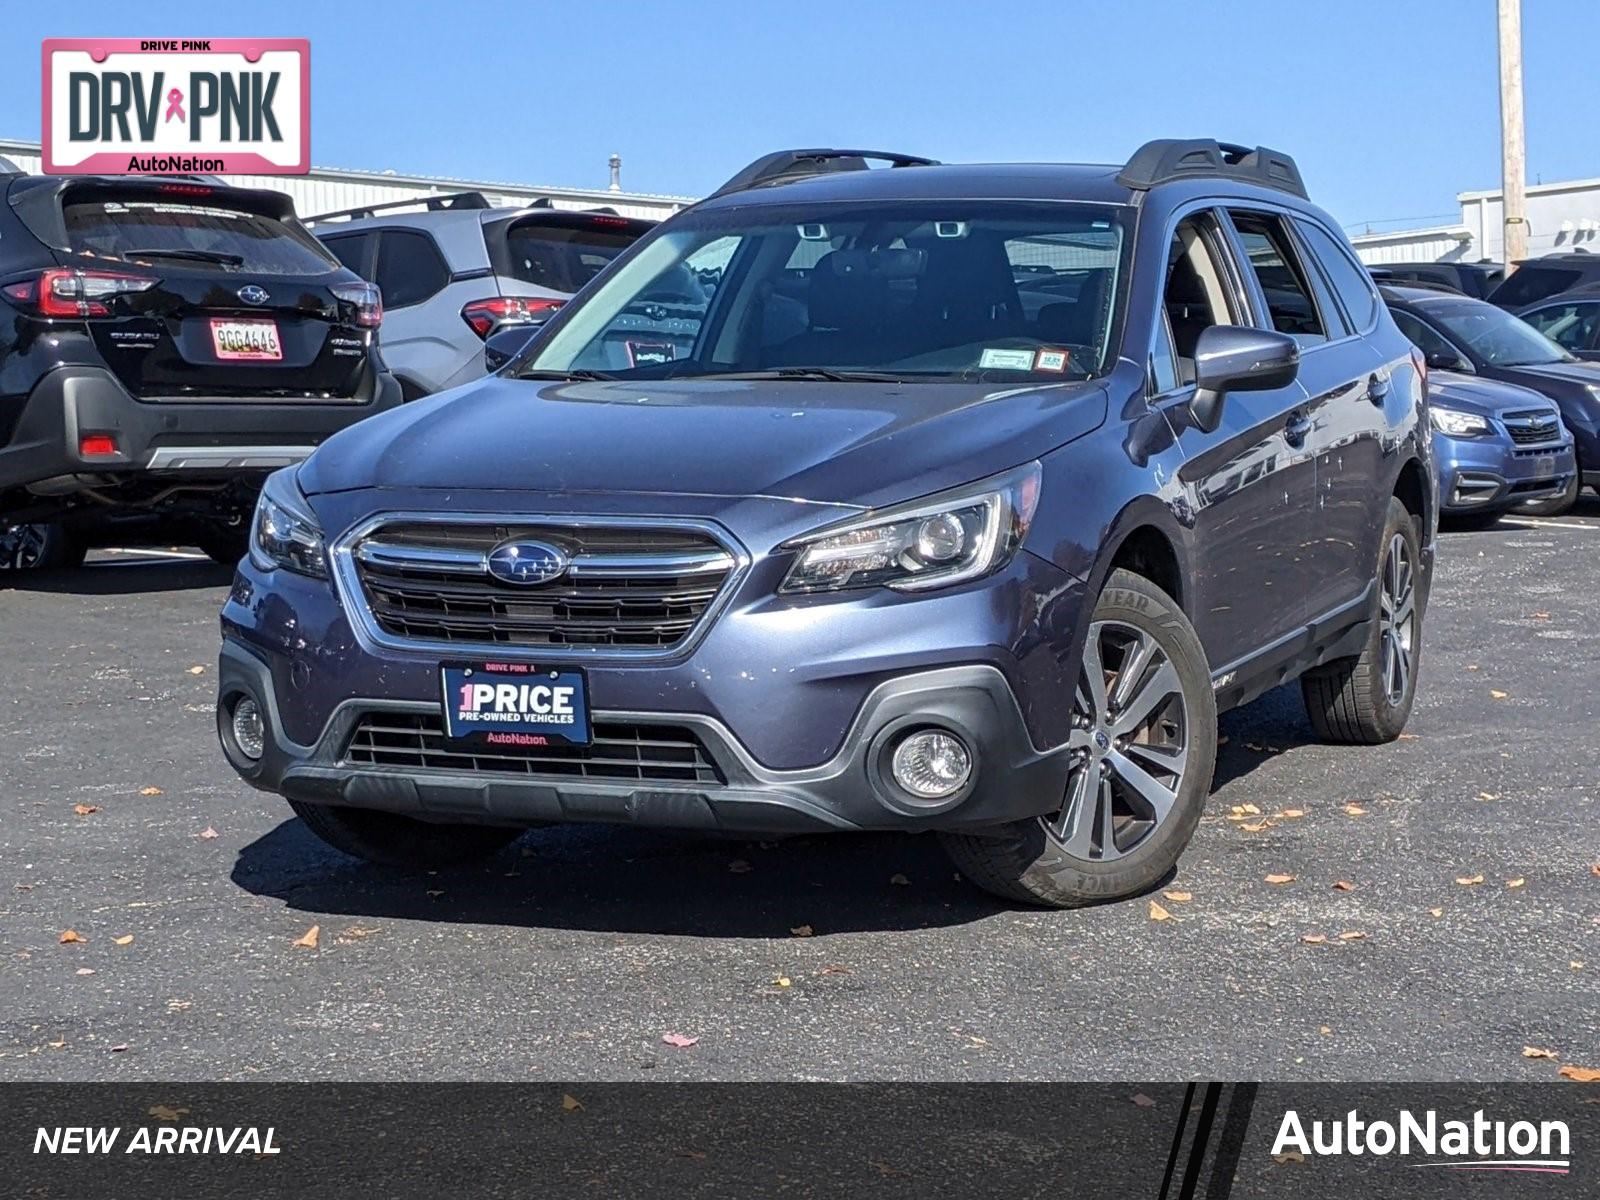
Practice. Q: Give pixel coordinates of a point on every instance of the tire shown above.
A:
(39, 548)
(1555, 506)
(395, 841)
(1062, 860)
(1363, 700)
(225, 544)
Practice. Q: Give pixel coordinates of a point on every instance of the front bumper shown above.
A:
(218, 437)
(1484, 474)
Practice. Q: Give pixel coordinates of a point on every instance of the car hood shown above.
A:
(1485, 397)
(859, 444)
(1585, 373)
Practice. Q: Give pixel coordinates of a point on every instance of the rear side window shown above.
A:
(138, 230)
(351, 250)
(410, 268)
(559, 258)
(1350, 282)
(1572, 326)
(1530, 283)
(1271, 256)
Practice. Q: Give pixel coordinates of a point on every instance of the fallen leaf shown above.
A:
(1516, 883)
(124, 940)
(1354, 810)
(739, 867)
(801, 930)
(308, 939)
(1536, 1052)
(1352, 935)
(72, 936)
(1473, 667)
(197, 670)
(1487, 796)
(1541, 616)
(678, 1040)
(1595, 870)
(1314, 939)
(1178, 897)
(570, 1103)
(1289, 1156)
(976, 1040)
(162, 1113)
(1415, 737)
(1469, 880)
(1142, 1100)
(834, 969)
(782, 981)
(1251, 809)
(1326, 1030)
(1293, 814)
(85, 970)
(58, 1044)
(1256, 827)
(1497, 694)
(1436, 912)
(150, 791)
(1576, 964)
(1157, 913)
(1579, 1074)
(83, 810)
(119, 1048)
(899, 881)
(358, 931)
(1343, 885)
(207, 834)
(1280, 879)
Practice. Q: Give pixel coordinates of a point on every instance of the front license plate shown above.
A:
(255, 341)
(1544, 468)
(515, 704)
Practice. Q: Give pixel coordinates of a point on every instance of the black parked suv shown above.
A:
(165, 342)
(960, 502)
(1535, 279)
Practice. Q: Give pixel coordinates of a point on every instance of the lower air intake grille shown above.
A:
(620, 751)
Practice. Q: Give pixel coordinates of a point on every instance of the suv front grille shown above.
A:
(1532, 428)
(632, 587)
(620, 750)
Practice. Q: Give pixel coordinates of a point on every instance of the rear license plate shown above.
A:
(255, 341)
(515, 704)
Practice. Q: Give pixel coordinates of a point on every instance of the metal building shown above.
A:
(328, 189)
(1562, 218)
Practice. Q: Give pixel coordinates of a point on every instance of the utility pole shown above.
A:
(1513, 164)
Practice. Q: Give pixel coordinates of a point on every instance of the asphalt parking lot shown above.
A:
(825, 958)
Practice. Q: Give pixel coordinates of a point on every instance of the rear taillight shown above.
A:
(60, 292)
(367, 299)
(485, 315)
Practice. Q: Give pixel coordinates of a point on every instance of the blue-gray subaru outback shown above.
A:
(918, 497)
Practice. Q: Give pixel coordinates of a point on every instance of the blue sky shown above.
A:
(1390, 108)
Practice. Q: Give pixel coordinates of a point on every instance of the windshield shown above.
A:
(1496, 337)
(915, 290)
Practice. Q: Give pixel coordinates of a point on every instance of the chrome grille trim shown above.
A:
(447, 566)
(1530, 428)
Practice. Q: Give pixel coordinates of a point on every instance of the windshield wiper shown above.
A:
(825, 373)
(581, 375)
(211, 256)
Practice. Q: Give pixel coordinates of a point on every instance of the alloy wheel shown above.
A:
(22, 546)
(1397, 619)
(1129, 745)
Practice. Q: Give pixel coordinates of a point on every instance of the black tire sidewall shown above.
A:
(1391, 718)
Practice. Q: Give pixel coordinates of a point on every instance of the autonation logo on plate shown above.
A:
(131, 106)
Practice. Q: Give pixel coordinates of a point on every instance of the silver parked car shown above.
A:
(454, 269)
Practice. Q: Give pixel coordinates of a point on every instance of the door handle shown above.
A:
(1378, 387)
(1297, 429)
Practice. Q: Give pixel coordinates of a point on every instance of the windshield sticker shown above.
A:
(1051, 359)
(651, 354)
(999, 359)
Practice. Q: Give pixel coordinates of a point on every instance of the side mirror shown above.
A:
(505, 343)
(1237, 358)
(1443, 360)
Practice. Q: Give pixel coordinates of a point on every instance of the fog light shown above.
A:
(932, 764)
(249, 730)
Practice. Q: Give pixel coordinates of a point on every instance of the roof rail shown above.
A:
(1386, 282)
(439, 203)
(1169, 159)
(784, 166)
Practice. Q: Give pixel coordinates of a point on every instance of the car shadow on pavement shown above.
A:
(615, 879)
(1268, 726)
(123, 577)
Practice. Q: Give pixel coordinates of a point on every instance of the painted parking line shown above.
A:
(1548, 523)
(142, 553)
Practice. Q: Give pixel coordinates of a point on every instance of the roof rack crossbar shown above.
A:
(1169, 159)
(782, 166)
(434, 203)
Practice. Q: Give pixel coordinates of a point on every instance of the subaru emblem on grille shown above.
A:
(252, 293)
(528, 562)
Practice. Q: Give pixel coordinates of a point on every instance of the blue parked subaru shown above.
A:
(921, 497)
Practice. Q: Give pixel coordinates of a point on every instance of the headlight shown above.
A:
(284, 532)
(1457, 424)
(931, 543)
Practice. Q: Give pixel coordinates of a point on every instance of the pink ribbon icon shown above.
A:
(175, 105)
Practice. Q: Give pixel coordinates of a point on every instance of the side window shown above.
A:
(1163, 359)
(1572, 326)
(1282, 278)
(1195, 295)
(351, 250)
(1351, 282)
(410, 268)
(1424, 337)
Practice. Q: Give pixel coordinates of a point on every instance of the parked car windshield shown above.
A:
(1495, 336)
(201, 234)
(918, 290)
